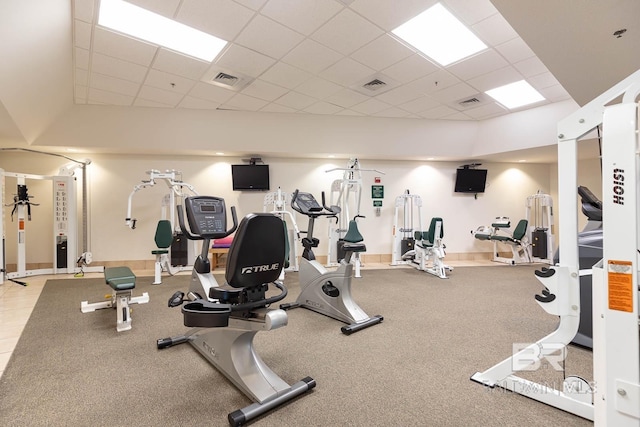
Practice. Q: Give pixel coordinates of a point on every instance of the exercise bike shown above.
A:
(327, 292)
(225, 321)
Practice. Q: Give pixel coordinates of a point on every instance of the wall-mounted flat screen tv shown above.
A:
(470, 180)
(250, 177)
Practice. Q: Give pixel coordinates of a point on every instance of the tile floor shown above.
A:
(17, 302)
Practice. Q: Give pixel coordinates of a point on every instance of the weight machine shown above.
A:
(65, 233)
(539, 216)
(346, 194)
(615, 400)
(403, 237)
(165, 256)
(276, 204)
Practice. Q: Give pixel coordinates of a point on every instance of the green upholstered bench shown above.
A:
(120, 278)
(122, 281)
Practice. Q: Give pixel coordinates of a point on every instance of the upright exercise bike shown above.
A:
(225, 321)
(327, 292)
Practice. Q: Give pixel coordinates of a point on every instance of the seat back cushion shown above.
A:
(256, 255)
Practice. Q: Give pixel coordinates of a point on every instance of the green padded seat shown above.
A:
(120, 278)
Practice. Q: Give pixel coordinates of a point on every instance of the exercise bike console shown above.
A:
(207, 218)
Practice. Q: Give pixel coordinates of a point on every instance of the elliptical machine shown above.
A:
(327, 292)
(226, 318)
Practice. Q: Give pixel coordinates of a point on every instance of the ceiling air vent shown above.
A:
(226, 78)
(470, 102)
(374, 85)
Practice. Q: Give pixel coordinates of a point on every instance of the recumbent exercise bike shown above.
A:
(226, 320)
(324, 291)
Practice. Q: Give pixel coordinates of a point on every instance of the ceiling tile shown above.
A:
(253, 4)
(197, 103)
(139, 102)
(454, 93)
(470, 11)
(82, 34)
(221, 18)
(112, 84)
(555, 93)
(370, 106)
(81, 77)
(275, 108)
(83, 10)
(115, 67)
(264, 90)
(296, 100)
(494, 30)
(162, 96)
(311, 56)
(439, 80)
(81, 58)
(346, 112)
(172, 62)
(531, 67)
(541, 81)
(346, 98)
(382, 53)
(318, 88)
(437, 112)
(482, 63)
(515, 50)
(410, 68)
(457, 116)
(495, 79)
(245, 103)
(420, 104)
(346, 32)
(391, 112)
(268, 37)
(485, 111)
(303, 16)
(347, 72)
(211, 92)
(97, 96)
(399, 95)
(244, 60)
(285, 75)
(122, 47)
(390, 16)
(170, 82)
(322, 108)
(165, 8)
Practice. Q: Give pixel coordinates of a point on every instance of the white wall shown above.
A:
(112, 178)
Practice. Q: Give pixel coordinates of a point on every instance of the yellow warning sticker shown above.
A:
(620, 280)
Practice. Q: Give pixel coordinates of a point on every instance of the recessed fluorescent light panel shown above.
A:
(440, 35)
(515, 95)
(140, 23)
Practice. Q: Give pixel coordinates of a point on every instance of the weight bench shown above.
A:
(122, 281)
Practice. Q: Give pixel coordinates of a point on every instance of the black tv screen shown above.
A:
(470, 180)
(250, 177)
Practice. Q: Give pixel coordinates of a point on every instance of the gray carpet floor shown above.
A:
(74, 369)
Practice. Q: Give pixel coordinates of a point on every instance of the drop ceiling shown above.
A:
(311, 57)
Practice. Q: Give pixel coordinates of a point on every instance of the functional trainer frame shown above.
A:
(616, 345)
